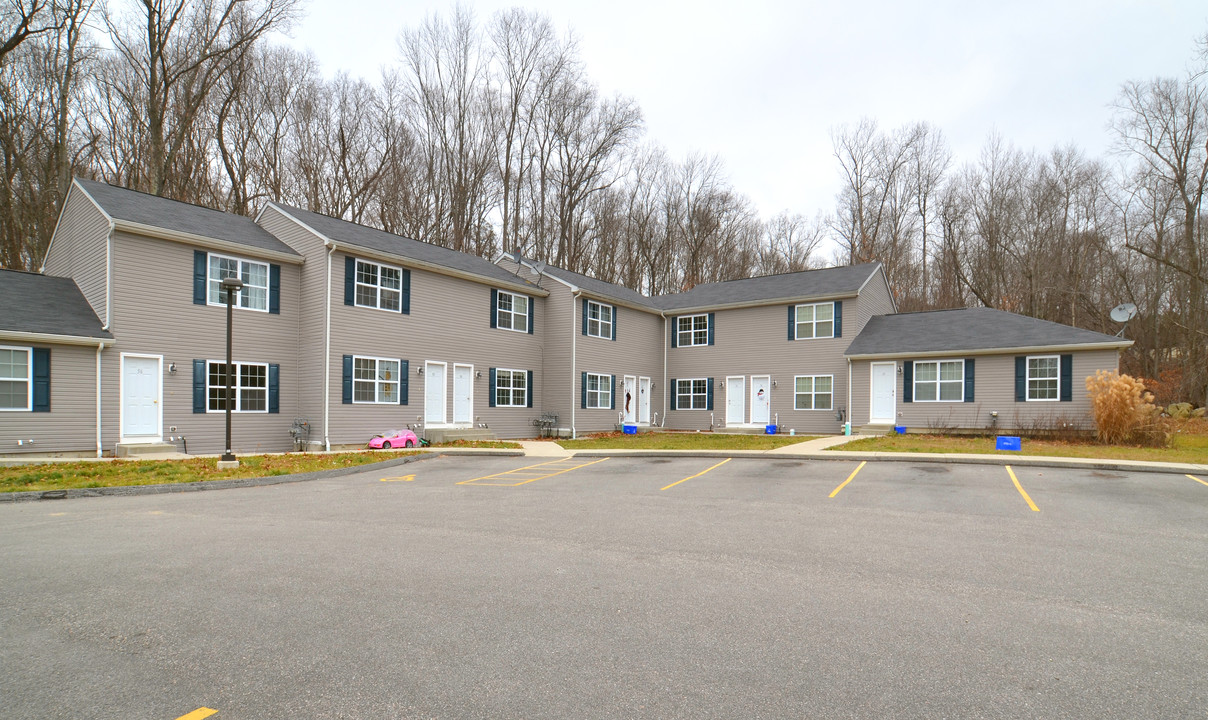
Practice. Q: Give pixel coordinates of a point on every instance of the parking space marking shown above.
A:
(553, 468)
(198, 714)
(1020, 489)
(849, 478)
(1193, 477)
(404, 478)
(702, 472)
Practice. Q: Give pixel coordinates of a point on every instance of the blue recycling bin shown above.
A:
(1008, 442)
(899, 429)
(629, 429)
(770, 429)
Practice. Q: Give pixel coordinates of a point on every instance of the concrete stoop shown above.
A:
(140, 449)
(444, 435)
(875, 430)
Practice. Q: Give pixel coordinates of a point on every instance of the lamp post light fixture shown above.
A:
(231, 285)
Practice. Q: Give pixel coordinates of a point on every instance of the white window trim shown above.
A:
(29, 378)
(357, 262)
(237, 303)
(691, 332)
(512, 388)
(599, 393)
(813, 394)
(679, 405)
(235, 388)
(599, 323)
(797, 323)
(376, 382)
(915, 380)
(499, 311)
(1028, 378)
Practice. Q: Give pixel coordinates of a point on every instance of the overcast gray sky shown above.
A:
(762, 83)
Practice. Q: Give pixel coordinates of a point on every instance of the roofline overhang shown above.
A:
(206, 241)
(594, 295)
(1115, 345)
(362, 251)
(36, 337)
(759, 303)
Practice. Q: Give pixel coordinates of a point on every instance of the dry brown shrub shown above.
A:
(1123, 410)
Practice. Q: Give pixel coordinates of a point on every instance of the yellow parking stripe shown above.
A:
(1193, 477)
(702, 472)
(198, 714)
(529, 477)
(849, 478)
(1020, 489)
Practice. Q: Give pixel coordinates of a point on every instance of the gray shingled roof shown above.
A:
(369, 238)
(600, 288)
(828, 282)
(137, 207)
(966, 330)
(36, 303)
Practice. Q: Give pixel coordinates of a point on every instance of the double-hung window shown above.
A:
(599, 391)
(816, 320)
(939, 381)
(379, 286)
(512, 311)
(692, 330)
(249, 386)
(813, 392)
(1044, 373)
(599, 320)
(511, 388)
(692, 394)
(16, 387)
(253, 296)
(375, 380)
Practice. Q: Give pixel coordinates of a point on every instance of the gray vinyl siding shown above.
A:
(154, 314)
(449, 322)
(994, 390)
(78, 249)
(558, 381)
(754, 341)
(874, 300)
(70, 426)
(637, 351)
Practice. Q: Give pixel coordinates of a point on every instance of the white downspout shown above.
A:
(99, 447)
(574, 303)
(849, 407)
(666, 390)
(109, 276)
(327, 357)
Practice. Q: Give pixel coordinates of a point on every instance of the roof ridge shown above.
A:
(168, 199)
(772, 275)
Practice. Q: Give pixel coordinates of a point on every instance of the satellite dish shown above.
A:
(1124, 312)
(539, 267)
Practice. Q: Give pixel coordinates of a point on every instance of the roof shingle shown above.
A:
(47, 305)
(841, 281)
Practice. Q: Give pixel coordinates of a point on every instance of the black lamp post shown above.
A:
(231, 285)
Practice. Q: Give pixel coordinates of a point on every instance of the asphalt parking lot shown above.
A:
(617, 588)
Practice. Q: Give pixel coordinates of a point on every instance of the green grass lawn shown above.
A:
(681, 441)
(1186, 448)
(63, 476)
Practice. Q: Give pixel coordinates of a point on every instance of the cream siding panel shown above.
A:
(637, 351)
(558, 385)
(994, 390)
(154, 314)
(873, 300)
(70, 426)
(449, 323)
(78, 249)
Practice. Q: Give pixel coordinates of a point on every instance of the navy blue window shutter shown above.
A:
(199, 277)
(710, 328)
(709, 391)
(406, 302)
(792, 322)
(199, 386)
(350, 280)
(274, 289)
(529, 387)
(674, 332)
(583, 330)
(612, 390)
(41, 377)
(1067, 378)
(583, 390)
(532, 315)
(614, 322)
(838, 318)
(347, 379)
(494, 307)
(968, 379)
(908, 381)
(491, 385)
(1021, 378)
(274, 388)
(404, 381)
(674, 388)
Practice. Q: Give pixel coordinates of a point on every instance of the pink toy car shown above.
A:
(394, 439)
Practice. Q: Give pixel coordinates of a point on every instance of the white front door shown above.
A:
(644, 401)
(629, 399)
(463, 394)
(140, 396)
(761, 399)
(434, 394)
(884, 390)
(736, 400)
